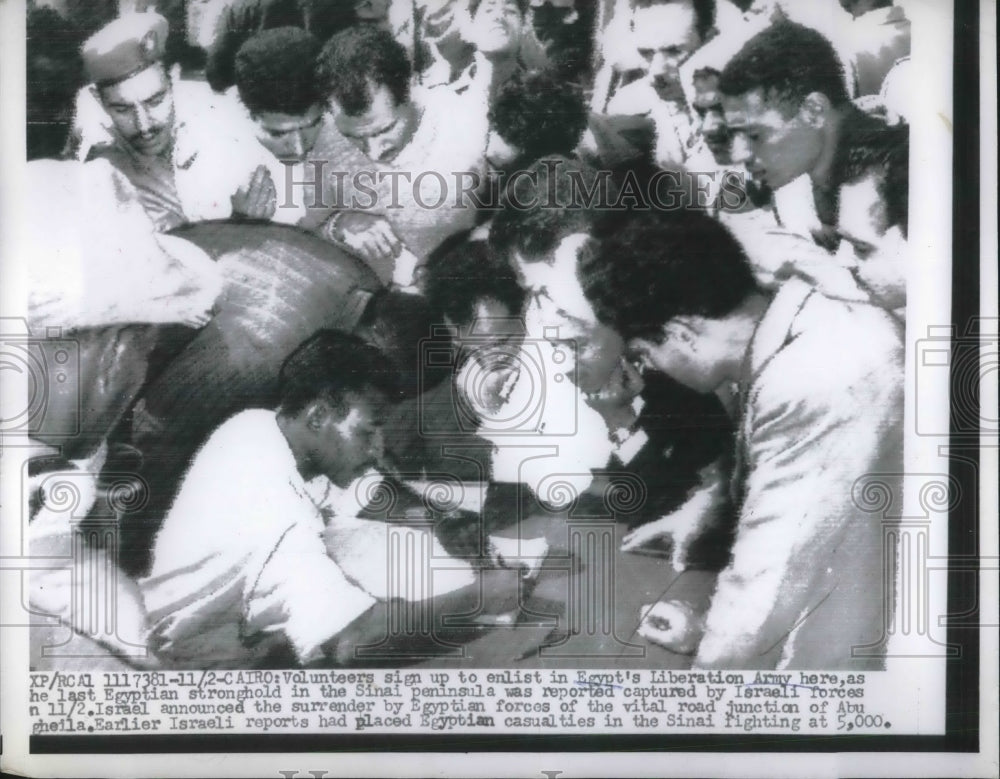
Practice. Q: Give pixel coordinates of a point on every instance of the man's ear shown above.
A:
(815, 109)
(688, 329)
(322, 411)
(317, 412)
(681, 329)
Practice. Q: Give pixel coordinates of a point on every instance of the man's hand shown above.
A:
(672, 624)
(661, 528)
(523, 554)
(258, 199)
(688, 521)
(368, 235)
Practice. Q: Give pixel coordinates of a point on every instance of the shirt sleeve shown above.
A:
(810, 440)
(302, 593)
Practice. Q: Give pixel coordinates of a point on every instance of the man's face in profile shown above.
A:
(558, 302)
(348, 441)
(691, 350)
(776, 141)
(707, 105)
(141, 109)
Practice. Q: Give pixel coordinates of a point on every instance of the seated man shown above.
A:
(279, 574)
(787, 107)
(821, 406)
(259, 579)
(402, 172)
(171, 150)
(282, 285)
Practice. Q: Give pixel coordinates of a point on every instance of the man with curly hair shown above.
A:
(275, 81)
(788, 110)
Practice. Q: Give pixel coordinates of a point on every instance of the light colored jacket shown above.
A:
(822, 402)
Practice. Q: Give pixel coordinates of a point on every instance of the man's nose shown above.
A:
(741, 149)
(376, 148)
(664, 65)
(143, 121)
(297, 144)
(713, 124)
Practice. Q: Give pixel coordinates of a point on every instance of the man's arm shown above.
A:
(809, 442)
(304, 595)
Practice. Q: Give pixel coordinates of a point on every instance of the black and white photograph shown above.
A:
(387, 382)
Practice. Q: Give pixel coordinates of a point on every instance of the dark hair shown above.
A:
(276, 71)
(544, 206)
(789, 61)
(328, 365)
(539, 115)
(357, 58)
(868, 144)
(704, 14)
(54, 74)
(461, 272)
(397, 322)
(651, 266)
(522, 6)
(245, 18)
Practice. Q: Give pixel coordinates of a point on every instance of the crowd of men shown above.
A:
(664, 240)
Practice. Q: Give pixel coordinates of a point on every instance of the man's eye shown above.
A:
(156, 100)
(646, 54)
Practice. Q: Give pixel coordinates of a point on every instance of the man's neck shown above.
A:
(741, 328)
(292, 428)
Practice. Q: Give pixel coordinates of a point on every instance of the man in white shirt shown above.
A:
(262, 560)
(240, 570)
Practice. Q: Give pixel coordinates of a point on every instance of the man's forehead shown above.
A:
(506, 5)
(744, 109)
(369, 405)
(280, 122)
(662, 26)
(142, 86)
(380, 115)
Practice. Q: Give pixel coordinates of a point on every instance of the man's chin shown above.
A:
(152, 147)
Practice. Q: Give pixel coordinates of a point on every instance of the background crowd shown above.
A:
(547, 254)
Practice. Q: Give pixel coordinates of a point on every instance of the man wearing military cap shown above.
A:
(163, 134)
